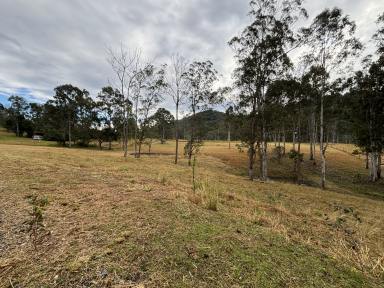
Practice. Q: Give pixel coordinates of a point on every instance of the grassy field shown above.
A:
(137, 223)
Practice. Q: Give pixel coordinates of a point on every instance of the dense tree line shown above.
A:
(316, 100)
(319, 99)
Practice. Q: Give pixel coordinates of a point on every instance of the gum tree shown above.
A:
(262, 55)
(177, 86)
(200, 76)
(109, 100)
(17, 112)
(127, 66)
(152, 85)
(331, 43)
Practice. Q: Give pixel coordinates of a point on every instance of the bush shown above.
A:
(293, 154)
(241, 147)
(356, 152)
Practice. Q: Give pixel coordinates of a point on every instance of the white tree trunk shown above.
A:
(229, 136)
(322, 148)
(374, 166)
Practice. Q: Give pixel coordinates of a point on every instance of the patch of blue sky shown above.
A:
(26, 93)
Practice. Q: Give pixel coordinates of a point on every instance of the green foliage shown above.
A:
(295, 155)
(162, 121)
(35, 224)
(356, 152)
(200, 76)
(241, 147)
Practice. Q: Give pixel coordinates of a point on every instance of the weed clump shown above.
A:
(35, 224)
(210, 195)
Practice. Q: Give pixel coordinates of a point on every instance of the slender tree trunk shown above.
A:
(125, 136)
(312, 136)
(109, 136)
(374, 161)
(17, 128)
(264, 161)
(64, 137)
(136, 123)
(177, 133)
(315, 137)
(366, 160)
(264, 142)
(192, 138)
(69, 134)
(298, 169)
(251, 162)
(322, 148)
(284, 140)
(229, 136)
(294, 139)
(264, 155)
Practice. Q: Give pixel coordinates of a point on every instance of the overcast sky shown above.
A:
(46, 43)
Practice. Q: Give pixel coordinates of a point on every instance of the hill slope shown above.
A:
(137, 223)
(211, 125)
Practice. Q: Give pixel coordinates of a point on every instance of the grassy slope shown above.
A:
(137, 223)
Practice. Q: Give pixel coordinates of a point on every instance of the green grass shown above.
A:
(10, 138)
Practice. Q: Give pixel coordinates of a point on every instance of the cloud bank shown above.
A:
(46, 43)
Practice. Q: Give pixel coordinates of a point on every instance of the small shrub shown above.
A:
(293, 154)
(212, 203)
(210, 195)
(356, 152)
(241, 147)
(35, 224)
(278, 152)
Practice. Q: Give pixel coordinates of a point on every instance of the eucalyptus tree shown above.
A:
(163, 121)
(3, 114)
(331, 43)
(85, 118)
(65, 101)
(229, 119)
(177, 86)
(36, 116)
(152, 90)
(313, 81)
(367, 109)
(109, 103)
(290, 95)
(367, 114)
(200, 76)
(126, 66)
(17, 111)
(262, 55)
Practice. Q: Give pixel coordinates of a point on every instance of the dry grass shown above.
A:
(137, 223)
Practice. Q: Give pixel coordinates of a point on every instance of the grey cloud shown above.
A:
(45, 43)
